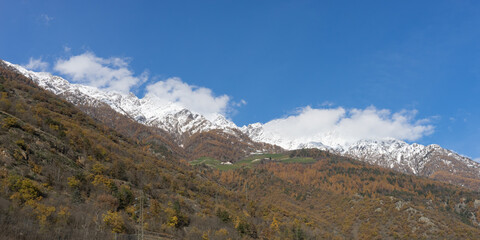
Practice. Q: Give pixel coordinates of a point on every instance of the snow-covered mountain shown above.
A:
(171, 117)
(389, 153)
(183, 123)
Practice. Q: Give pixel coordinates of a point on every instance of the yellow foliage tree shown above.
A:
(26, 191)
(101, 179)
(63, 215)
(205, 236)
(173, 221)
(114, 221)
(43, 212)
(73, 182)
(98, 168)
(275, 225)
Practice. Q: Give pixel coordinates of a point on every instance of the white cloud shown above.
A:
(105, 73)
(46, 19)
(338, 126)
(113, 74)
(477, 160)
(239, 104)
(36, 64)
(327, 104)
(198, 99)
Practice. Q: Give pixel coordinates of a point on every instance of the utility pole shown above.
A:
(141, 212)
(246, 189)
(140, 234)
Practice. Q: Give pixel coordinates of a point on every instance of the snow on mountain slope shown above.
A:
(411, 158)
(170, 117)
(390, 153)
(258, 133)
(182, 123)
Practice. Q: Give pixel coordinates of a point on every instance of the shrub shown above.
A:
(124, 196)
(24, 190)
(10, 122)
(223, 215)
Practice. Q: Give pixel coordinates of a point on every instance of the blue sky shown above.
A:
(279, 56)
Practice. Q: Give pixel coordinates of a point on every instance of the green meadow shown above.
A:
(250, 161)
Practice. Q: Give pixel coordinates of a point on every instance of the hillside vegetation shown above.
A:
(66, 175)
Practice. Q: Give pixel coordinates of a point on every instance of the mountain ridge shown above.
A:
(66, 175)
(182, 124)
(395, 154)
(144, 110)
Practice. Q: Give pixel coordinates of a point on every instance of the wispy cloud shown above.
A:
(240, 103)
(476, 160)
(327, 104)
(46, 19)
(339, 126)
(36, 64)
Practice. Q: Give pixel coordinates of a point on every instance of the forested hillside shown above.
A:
(66, 175)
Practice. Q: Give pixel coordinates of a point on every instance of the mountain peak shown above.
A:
(149, 110)
(181, 123)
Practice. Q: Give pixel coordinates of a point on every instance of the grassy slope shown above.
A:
(251, 161)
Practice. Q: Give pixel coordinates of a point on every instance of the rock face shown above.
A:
(432, 160)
